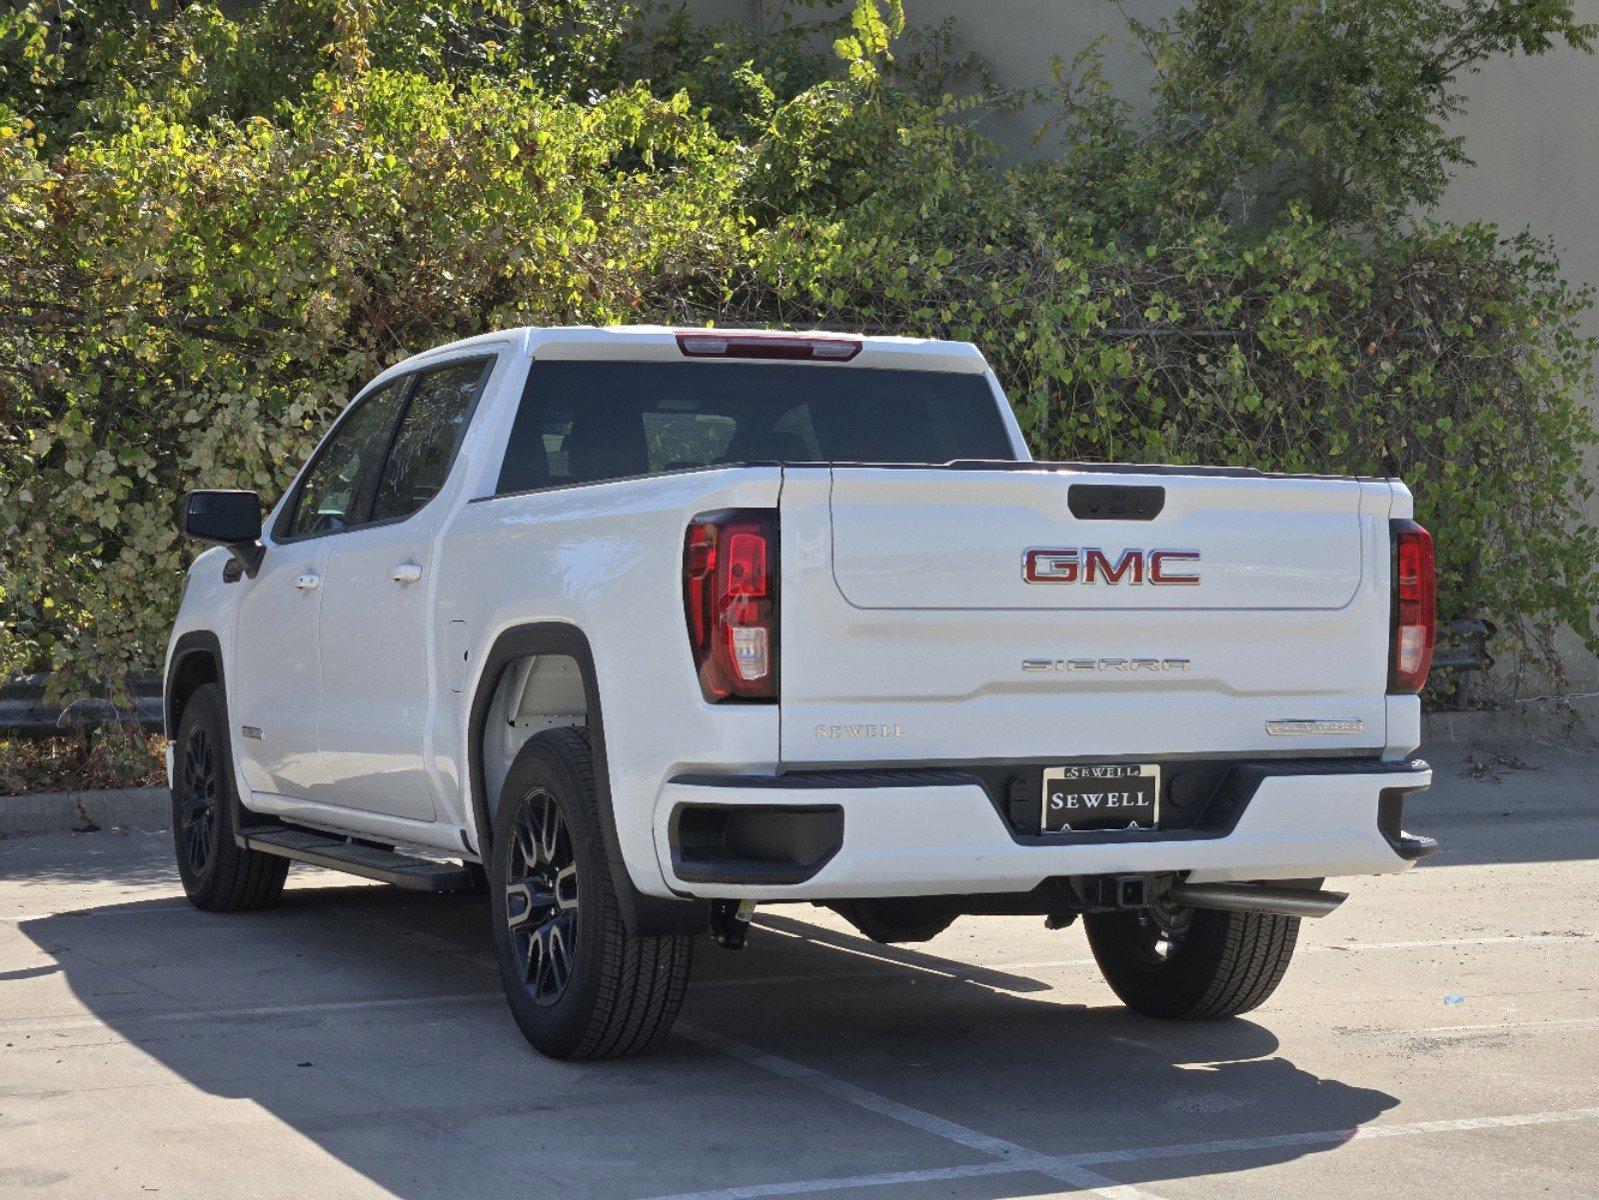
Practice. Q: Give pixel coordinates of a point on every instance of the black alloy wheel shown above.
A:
(1159, 932)
(541, 898)
(578, 983)
(197, 799)
(218, 874)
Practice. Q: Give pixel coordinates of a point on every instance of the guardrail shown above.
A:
(1463, 646)
(24, 712)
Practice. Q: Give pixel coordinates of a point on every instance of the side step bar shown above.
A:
(1257, 897)
(337, 854)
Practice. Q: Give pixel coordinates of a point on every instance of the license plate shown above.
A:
(1101, 796)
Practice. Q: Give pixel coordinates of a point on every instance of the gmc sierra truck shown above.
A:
(639, 628)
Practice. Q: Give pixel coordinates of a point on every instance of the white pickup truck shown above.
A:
(640, 627)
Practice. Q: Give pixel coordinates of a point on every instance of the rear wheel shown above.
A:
(217, 875)
(1191, 964)
(579, 985)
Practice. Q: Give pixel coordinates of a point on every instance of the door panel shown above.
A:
(375, 691)
(276, 684)
(376, 687)
(277, 672)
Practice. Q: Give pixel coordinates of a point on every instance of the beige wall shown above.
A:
(1531, 125)
(1532, 128)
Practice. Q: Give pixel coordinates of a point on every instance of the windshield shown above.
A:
(586, 421)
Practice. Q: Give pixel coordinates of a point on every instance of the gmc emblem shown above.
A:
(1090, 564)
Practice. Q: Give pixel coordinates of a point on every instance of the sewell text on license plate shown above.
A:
(1101, 796)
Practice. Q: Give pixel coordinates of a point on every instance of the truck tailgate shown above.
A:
(957, 613)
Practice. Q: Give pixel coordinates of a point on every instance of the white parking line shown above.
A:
(760, 980)
(1052, 1164)
(117, 1020)
(1447, 943)
(1337, 1137)
(1038, 964)
(158, 905)
(939, 968)
(134, 908)
(1427, 944)
(1015, 1156)
(1494, 1026)
(801, 1187)
(953, 973)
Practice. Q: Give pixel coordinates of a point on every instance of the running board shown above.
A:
(337, 854)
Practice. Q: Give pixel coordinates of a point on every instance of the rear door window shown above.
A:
(582, 422)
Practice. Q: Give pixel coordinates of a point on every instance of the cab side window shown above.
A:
(338, 484)
(430, 433)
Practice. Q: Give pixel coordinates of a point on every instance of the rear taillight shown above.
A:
(1414, 607)
(730, 599)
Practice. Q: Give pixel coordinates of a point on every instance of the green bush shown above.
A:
(214, 228)
(1442, 355)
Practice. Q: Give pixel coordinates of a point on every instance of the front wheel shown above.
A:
(1191, 964)
(217, 875)
(579, 985)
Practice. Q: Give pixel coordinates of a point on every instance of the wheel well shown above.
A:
(193, 671)
(553, 684)
(535, 692)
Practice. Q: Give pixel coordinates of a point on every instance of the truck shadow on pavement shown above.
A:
(367, 1026)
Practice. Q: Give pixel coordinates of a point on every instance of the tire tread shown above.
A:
(239, 880)
(1256, 951)
(1231, 963)
(642, 980)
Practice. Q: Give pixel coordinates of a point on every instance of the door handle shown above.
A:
(308, 582)
(406, 572)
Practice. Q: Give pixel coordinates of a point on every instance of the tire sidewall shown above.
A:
(555, 1029)
(204, 709)
(1168, 988)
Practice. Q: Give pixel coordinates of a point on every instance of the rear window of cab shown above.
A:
(583, 422)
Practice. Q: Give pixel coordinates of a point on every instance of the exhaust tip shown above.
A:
(1257, 897)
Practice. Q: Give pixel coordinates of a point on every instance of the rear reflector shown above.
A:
(730, 601)
(1414, 608)
(767, 345)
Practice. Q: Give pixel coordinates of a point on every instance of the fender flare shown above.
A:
(196, 641)
(188, 645)
(644, 915)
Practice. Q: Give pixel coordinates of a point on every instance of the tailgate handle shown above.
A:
(1114, 502)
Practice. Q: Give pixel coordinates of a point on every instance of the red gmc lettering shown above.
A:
(1090, 564)
(1050, 566)
(1096, 564)
(1157, 567)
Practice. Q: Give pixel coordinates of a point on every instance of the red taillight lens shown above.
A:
(730, 599)
(1415, 607)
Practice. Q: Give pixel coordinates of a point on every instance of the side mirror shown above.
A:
(229, 518)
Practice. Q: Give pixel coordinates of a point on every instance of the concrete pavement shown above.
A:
(1438, 1034)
